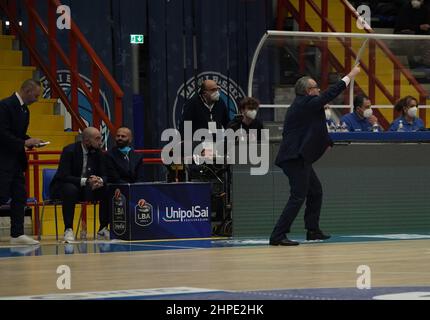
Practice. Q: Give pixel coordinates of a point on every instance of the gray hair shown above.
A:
(302, 85)
(29, 84)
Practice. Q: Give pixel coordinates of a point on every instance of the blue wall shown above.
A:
(226, 34)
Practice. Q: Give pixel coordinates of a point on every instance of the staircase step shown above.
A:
(16, 73)
(58, 139)
(7, 87)
(6, 42)
(47, 122)
(10, 58)
(48, 223)
(44, 106)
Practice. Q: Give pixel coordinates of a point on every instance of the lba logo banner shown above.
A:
(143, 213)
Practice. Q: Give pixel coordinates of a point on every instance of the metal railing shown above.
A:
(70, 60)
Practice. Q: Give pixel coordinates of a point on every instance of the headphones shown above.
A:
(201, 89)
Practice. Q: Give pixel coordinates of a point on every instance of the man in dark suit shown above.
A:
(123, 164)
(14, 121)
(305, 139)
(81, 176)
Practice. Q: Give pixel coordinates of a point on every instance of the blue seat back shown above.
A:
(47, 176)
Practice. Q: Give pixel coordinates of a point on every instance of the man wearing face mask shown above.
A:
(206, 110)
(304, 141)
(362, 118)
(247, 120)
(81, 176)
(331, 125)
(409, 120)
(123, 164)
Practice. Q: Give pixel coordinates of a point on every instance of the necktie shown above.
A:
(90, 170)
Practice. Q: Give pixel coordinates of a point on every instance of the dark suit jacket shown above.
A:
(70, 167)
(305, 132)
(14, 121)
(119, 170)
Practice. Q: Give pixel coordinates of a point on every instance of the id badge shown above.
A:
(212, 127)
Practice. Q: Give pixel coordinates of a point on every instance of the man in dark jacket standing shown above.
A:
(305, 139)
(14, 121)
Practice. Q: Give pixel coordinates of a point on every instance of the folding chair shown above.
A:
(47, 176)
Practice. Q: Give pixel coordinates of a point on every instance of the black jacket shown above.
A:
(70, 166)
(256, 124)
(410, 18)
(196, 111)
(119, 170)
(14, 121)
(305, 132)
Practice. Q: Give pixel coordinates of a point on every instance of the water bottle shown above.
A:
(83, 234)
(400, 128)
(343, 127)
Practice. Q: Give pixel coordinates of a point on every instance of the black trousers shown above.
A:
(70, 195)
(304, 186)
(12, 186)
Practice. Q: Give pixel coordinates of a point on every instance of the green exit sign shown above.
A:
(137, 38)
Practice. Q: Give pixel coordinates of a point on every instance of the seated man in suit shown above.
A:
(81, 176)
(123, 164)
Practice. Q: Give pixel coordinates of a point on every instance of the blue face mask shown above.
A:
(125, 150)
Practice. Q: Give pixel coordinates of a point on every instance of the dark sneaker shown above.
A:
(283, 242)
(317, 235)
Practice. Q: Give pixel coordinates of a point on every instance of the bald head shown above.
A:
(92, 138)
(210, 91)
(30, 91)
(123, 137)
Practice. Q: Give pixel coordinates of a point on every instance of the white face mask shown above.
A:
(412, 112)
(252, 114)
(367, 113)
(416, 4)
(215, 96)
(327, 114)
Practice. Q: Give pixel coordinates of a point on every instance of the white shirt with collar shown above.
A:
(20, 99)
(84, 165)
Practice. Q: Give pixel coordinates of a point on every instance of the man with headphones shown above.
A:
(207, 111)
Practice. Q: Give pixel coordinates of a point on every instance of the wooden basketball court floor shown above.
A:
(204, 268)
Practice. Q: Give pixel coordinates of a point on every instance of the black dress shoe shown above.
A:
(284, 242)
(317, 235)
